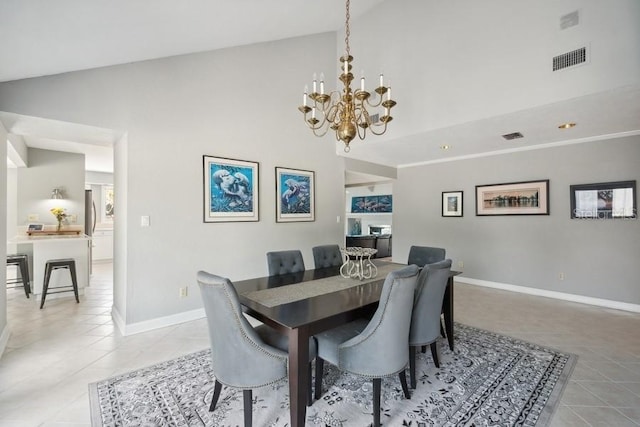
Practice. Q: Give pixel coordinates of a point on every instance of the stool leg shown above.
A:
(74, 280)
(45, 285)
(24, 275)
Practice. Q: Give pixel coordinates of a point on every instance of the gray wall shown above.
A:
(4, 330)
(599, 258)
(48, 170)
(237, 103)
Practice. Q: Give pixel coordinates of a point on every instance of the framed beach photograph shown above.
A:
(295, 195)
(230, 189)
(107, 203)
(514, 198)
(452, 203)
(605, 200)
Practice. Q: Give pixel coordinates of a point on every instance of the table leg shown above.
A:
(447, 310)
(298, 375)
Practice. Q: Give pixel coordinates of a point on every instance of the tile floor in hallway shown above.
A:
(54, 353)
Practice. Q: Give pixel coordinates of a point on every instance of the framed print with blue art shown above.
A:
(230, 190)
(295, 194)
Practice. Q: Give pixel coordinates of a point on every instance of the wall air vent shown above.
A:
(514, 135)
(569, 59)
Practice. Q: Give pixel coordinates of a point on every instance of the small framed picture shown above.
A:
(605, 200)
(452, 203)
(35, 227)
(295, 195)
(230, 190)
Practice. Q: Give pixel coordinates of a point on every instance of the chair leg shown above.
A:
(74, 280)
(248, 406)
(309, 390)
(377, 385)
(424, 348)
(319, 373)
(434, 353)
(45, 286)
(24, 275)
(403, 382)
(412, 366)
(216, 395)
(442, 331)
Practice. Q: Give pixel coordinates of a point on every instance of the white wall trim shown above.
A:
(160, 322)
(552, 294)
(4, 339)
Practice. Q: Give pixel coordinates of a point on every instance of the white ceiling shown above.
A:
(50, 37)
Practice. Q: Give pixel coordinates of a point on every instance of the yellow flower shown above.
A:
(59, 213)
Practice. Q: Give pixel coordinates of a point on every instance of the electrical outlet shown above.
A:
(561, 276)
(73, 218)
(184, 292)
(33, 217)
(460, 264)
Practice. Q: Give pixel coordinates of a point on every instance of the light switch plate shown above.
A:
(33, 217)
(145, 221)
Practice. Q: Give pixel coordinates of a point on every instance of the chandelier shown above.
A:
(347, 112)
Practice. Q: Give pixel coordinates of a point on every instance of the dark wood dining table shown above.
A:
(278, 302)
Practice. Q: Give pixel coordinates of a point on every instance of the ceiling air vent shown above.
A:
(375, 118)
(569, 59)
(514, 135)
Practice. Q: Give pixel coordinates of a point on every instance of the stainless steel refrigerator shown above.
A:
(89, 221)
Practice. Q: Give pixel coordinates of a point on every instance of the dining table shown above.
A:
(311, 301)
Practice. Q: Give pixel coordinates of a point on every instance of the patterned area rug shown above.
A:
(490, 380)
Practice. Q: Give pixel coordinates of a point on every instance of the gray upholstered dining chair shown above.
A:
(427, 307)
(378, 347)
(284, 262)
(423, 255)
(327, 256)
(242, 357)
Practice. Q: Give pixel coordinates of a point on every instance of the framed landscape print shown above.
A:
(607, 200)
(230, 190)
(514, 198)
(372, 204)
(295, 195)
(452, 203)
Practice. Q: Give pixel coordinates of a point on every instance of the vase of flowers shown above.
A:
(60, 215)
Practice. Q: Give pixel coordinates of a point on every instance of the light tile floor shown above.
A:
(54, 353)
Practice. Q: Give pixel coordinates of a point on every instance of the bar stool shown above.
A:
(55, 264)
(22, 262)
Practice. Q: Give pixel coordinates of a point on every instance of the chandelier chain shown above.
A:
(347, 31)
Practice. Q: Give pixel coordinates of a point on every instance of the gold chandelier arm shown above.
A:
(373, 131)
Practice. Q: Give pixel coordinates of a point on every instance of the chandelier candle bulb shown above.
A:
(315, 83)
(381, 80)
(322, 83)
(304, 96)
(361, 83)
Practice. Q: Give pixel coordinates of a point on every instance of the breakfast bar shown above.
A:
(41, 249)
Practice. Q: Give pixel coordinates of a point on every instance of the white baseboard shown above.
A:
(160, 322)
(552, 294)
(4, 339)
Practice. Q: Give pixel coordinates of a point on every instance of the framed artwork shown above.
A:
(452, 203)
(295, 195)
(230, 189)
(514, 198)
(607, 200)
(35, 227)
(107, 203)
(372, 204)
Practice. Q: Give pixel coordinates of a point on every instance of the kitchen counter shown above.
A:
(41, 249)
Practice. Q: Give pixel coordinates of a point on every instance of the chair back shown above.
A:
(327, 256)
(423, 255)
(381, 348)
(427, 307)
(284, 262)
(239, 357)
